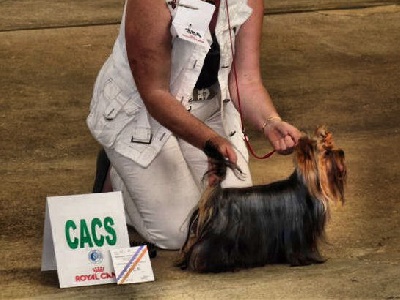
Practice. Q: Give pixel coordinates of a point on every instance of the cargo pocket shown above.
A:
(114, 111)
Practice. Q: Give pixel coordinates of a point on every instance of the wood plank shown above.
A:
(284, 6)
(27, 14)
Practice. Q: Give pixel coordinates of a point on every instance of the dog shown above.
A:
(281, 222)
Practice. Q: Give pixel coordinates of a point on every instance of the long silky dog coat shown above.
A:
(281, 222)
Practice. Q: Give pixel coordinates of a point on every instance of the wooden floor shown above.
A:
(339, 67)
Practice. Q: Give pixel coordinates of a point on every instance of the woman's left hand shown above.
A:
(282, 136)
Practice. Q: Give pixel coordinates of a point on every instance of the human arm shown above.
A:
(256, 105)
(148, 45)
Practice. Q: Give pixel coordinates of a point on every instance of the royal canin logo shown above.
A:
(98, 274)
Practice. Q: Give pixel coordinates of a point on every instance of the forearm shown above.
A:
(256, 105)
(170, 113)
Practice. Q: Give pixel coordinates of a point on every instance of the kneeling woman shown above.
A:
(169, 87)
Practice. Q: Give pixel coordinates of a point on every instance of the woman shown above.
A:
(166, 90)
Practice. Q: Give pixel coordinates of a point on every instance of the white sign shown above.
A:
(132, 265)
(191, 20)
(79, 231)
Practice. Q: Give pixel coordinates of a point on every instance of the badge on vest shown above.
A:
(191, 20)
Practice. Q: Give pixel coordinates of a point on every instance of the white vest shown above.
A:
(118, 118)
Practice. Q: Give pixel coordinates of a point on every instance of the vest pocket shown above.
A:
(113, 112)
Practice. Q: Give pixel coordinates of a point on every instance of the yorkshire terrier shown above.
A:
(281, 222)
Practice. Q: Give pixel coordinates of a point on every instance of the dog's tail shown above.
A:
(218, 169)
(207, 206)
(219, 165)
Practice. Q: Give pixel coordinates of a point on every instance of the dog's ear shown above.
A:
(324, 138)
(333, 175)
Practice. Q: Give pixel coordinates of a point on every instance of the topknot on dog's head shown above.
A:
(324, 138)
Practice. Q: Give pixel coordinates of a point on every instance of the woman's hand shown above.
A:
(282, 136)
(221, 154)
(220, 148)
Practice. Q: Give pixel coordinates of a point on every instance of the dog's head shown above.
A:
(322, 166)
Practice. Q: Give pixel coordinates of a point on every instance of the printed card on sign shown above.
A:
(79, 232)
(132, 265)
(191, 21)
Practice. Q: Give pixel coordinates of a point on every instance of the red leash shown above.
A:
(246, 138)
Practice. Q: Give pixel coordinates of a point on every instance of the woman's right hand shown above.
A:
(223, 146)
(221, 155)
